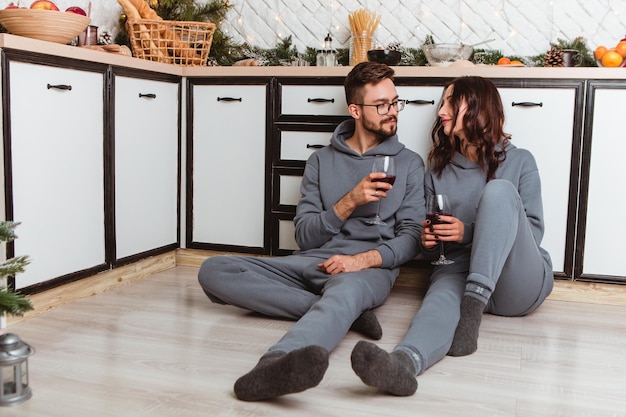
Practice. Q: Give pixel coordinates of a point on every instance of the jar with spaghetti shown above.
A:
(363, 25)
(359, 45)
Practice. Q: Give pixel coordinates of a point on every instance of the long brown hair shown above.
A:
(482, 124)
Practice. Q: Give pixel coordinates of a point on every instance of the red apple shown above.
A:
(77, 10)
(44, 5)
(14, 6)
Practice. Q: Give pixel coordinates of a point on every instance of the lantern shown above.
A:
(14, 355)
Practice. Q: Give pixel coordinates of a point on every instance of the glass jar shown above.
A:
(330, 58)
(320, 60)
(359, 45)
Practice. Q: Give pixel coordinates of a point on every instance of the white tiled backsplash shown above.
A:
(520, 27)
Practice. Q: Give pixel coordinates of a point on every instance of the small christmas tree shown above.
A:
(12, 302)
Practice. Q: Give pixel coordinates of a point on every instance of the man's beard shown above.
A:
(378, 129)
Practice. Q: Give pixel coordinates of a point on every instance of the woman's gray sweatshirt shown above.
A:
(463, 181)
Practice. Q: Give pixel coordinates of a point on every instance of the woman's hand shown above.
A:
(450, 231)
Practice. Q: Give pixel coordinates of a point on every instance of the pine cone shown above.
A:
(553, 58)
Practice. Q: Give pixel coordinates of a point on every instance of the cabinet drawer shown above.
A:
(287, 235)
(324, 100)
(298, 146)
(289, 193)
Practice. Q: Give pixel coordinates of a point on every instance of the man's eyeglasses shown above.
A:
(384, 108)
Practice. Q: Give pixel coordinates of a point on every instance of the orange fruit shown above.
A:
(600, 51)
(504, 61)
(516, 62)
(612, 59)
(621, 48)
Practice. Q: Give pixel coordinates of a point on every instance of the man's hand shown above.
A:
(366, 191)
(338, 264)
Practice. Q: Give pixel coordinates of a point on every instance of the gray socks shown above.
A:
(278, 374)
(390, 372)
(466, 335)
(368, 325)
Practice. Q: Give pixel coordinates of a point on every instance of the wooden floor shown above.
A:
(158, 347)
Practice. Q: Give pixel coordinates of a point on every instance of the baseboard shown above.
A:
(564, 290)
(104, 281)
(415, 277)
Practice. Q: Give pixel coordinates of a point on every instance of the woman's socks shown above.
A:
(466, 335)
(390, 372)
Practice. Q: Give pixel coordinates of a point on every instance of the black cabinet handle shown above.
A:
(320, 100)
(229, 99)
(60, 87)
(149, 95)
(314, 146)
(420, 102)
(527, 104)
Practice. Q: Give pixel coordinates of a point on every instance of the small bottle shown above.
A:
(320, 60)
(330, 55)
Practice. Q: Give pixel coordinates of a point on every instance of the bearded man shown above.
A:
(345, 266)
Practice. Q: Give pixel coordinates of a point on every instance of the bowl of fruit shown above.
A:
(44, 21)
(611, 57)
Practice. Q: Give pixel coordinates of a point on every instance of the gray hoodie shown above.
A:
(331, 173)
(463, 181)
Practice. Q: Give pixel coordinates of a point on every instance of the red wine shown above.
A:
(389, 179)
(434, 217)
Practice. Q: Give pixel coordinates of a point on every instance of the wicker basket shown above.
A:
(171, 41)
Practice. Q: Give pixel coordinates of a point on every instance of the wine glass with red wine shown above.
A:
(386, 164)
(438, 205)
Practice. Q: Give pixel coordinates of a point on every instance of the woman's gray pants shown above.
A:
(504, 260)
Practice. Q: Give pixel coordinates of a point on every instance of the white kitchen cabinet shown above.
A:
(602, 218)
(146, 165)
(308, 113)
(531, 121)
(531, 116)
(228, 191)
(56, 169)
(415, 122)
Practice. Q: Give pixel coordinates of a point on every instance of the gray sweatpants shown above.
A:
(504, 258)
(293, 287)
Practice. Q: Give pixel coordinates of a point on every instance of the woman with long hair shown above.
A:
(493, 238)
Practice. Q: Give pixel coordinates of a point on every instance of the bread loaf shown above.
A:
(130, 10)
(145, 11)
(249, 62)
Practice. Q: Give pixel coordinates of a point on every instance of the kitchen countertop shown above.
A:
(490, 71)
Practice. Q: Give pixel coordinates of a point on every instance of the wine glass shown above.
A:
(438, 205)
(386, 164)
